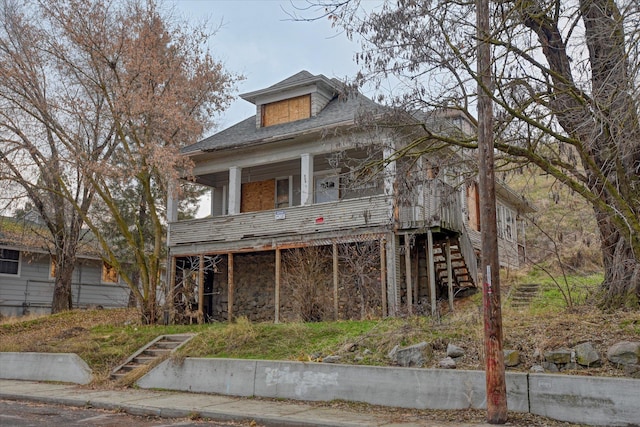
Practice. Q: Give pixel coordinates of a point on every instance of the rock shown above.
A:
(537, 355)
(315, 356)
(511, 357)
(571, 366)
(454, 351)
(447, 363)
(632, 371)
(358, 359)
(537, 369)
(550, 367)
(392, 354)
(415, 355)
(586, 355)
(350, 347)
(561, 355)
(624, 353)
(367, 351)
(331, 359)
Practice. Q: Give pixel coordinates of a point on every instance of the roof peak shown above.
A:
(301, 78)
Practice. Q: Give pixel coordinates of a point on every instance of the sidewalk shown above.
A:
(180, 405)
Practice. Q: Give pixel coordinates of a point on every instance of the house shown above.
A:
(301, 173)
(27, 273)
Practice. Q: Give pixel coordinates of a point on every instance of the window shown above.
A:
(52, 268)
(109, 273)
(505, 219)
(9, 262)
(327, 188)
(285, 111)
(473, 206)
(283, 192)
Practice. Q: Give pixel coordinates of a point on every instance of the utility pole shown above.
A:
(494, 357)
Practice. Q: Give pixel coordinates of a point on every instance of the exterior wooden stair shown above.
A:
(462, 277)
(523, 293)
(156, 350)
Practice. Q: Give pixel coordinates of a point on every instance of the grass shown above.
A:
(105, 338)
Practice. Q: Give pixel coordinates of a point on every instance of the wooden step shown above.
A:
(150, 353)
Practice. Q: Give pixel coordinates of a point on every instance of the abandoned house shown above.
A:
(27, 272)
(315, 216)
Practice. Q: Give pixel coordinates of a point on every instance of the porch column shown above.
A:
(230, 285)
(392, 284)
(235, 185)
(201, 289)
(407, 271)
(172, 209)
(171, 290)
(383, 276)
(277, 296)
(335, 280)
(389, 183)
(306, 179)
(432, 272)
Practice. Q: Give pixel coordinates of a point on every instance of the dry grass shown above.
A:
(105, 338)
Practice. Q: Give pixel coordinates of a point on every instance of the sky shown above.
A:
(259, 40)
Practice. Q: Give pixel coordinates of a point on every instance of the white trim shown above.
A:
(289, 178)
(323, 175)
(19, 263)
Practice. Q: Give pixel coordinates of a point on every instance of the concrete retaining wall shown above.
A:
(590, 400)
(577, 399)
(401, 387)
(62, 367)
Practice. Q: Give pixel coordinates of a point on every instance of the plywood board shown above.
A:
(258, 196)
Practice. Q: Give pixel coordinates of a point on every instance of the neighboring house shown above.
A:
(27, 272)
(302, 173)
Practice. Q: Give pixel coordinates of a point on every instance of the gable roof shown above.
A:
(302, 78)
(341, 110)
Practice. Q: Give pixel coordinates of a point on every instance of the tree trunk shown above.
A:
(621, 284)
(62, 295)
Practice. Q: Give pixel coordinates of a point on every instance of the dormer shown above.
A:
(299, 97)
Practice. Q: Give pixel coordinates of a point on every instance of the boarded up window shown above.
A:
(288, 110)
(258, 196)
(109, 273)
(473, 205)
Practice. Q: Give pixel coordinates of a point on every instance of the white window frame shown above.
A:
(325, 175)
(17, 274)
(290, 195)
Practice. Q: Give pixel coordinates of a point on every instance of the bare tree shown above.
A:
(43, 113)
(566, 95)
(133, 85)
(306, 282)
(360, 275)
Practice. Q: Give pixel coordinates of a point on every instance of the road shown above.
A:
(29, 414)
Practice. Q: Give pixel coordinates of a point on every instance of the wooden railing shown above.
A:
(439, 206)
(364, 212)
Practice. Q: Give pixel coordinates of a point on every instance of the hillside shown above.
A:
(104, 338)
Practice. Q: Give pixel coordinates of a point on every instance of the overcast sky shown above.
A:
(259, 40)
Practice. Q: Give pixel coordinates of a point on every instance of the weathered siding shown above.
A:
(348, 215)
(32, 290)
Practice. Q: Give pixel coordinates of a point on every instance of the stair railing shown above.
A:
(469, 254)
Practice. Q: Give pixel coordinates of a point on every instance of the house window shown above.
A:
(109, 273)
(283, 192)
(285, 111)
(473, 206)
(52, 268)
(505, 219)
(327, 188)
(9, 262)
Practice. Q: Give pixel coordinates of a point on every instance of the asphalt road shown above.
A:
(29, 414)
